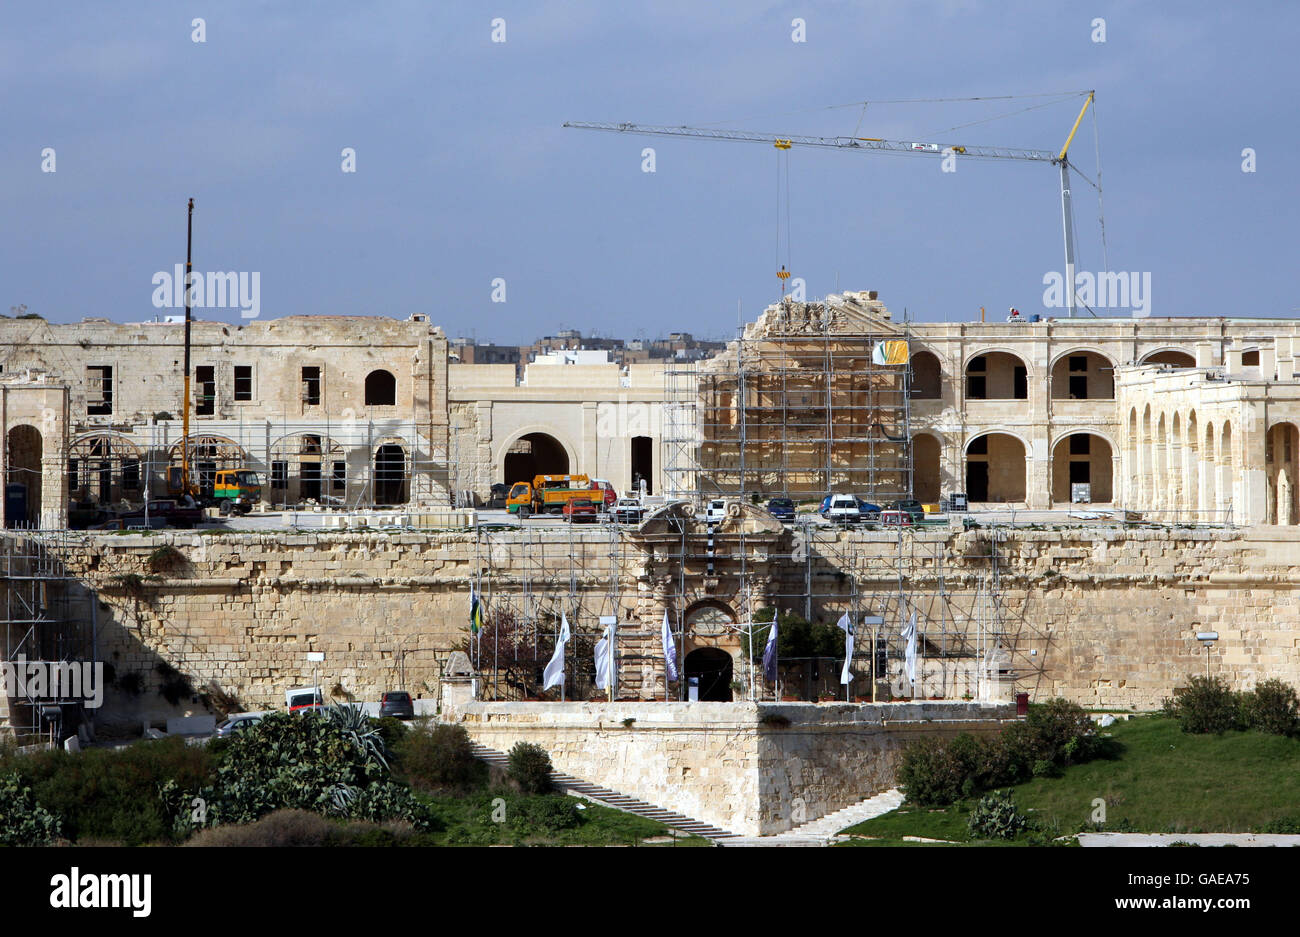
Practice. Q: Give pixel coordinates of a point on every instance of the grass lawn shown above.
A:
(1164, 781)
(469, 822)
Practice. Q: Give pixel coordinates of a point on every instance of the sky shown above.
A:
(471, 203)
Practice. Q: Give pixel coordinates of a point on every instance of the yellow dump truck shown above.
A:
(548, 494)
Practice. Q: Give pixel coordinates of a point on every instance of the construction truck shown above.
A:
(547, 494)
(236, 490)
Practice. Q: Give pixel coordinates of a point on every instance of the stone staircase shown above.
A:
(826, 827)
(610, 798)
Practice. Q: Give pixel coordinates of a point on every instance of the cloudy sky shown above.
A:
(464, 174)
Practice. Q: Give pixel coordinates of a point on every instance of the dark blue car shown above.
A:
(781, 508)
(868, 510)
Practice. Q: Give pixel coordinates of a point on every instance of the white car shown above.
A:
(844, 510)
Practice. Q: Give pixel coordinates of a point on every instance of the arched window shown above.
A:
(381, 389)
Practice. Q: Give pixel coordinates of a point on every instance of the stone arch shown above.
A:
(711, 668)
(24, 450)
(380, 389)
(927, 375)
(996, 467)
(1281, 459)
(1083, 456)
(308, 467)
(996, 374)
(1211, 507)
(1174, 356)
(1131, 474)
(1082, 374)
(533, 452)
(209, 454)
(1193, 473)
(927, 467)
(104, 468)
(1227, 468)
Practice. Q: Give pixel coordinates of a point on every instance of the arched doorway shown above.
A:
(995, 468)
(207, 455)
(104, 468)
(643, 463)
(1082, 459)
(23, 477)
(712, 666)
(390, 474)
(1083, 375)
(927, 376)
(380, 389)
(925, 468)
(308, 466)
(997, 375)
(534, 454)
(1281, 454)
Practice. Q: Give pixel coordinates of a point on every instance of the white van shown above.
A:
(843, 510)
(303, 699)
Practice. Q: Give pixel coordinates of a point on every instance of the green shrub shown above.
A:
(114, 795)
(439, 757)
(996, 817)
(303, 828)
(23, 821)
(530, 768)
(543, 815)
(1206, 705)
(928, 775)
(1272, 708)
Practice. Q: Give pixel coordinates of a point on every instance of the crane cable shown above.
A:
(783, 157)
(1101, 211)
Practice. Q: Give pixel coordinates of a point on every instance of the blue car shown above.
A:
(781, 508)
(868, 510)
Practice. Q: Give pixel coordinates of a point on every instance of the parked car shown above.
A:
(628, 511)
(238, 722)
(397, 703)
(912, 507)
(781, 508)
(581, 509)
(304, 699)
(168, 513)
(825, 505)
(716, 511)
(869, 511)
(896, 518)
(843, 509)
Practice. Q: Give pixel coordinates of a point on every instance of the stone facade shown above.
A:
(749, 768)
(352, 409)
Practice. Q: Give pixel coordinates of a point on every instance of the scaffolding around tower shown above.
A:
(811, 399)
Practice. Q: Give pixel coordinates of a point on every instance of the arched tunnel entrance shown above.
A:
(534, 454)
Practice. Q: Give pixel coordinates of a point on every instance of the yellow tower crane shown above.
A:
(877, 145)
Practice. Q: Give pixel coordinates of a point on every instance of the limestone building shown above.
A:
(340, 410)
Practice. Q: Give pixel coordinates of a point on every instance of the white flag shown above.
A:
(847, 627)
(602, 661)
(553, 675)
(909, 655)
(670, 649)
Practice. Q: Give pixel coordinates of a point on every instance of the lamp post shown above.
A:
(1207, 639)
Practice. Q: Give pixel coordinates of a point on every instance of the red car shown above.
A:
(581, 509)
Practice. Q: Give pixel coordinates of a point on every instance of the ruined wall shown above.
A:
(1103, 616)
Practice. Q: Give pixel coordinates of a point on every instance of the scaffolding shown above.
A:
(799, 407)
(717, 581)
(40, 625)
(347, 463)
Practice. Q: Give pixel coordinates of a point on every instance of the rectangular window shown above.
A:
(243, 382)
(340, 476)
(99, 390)
(1080, 444)
(72, 475)
(1078, 387)
(1020, 379)
(131, 473)
(311, 386)
(205, 401)
(1078, 363)
(279, 475)
(975, 387)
